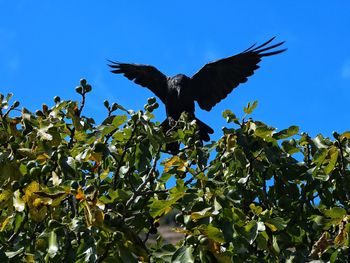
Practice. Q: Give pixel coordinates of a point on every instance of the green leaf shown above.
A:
(286, 133)
(290, 146)
(9, 96)
(53, 245)
(212, 233)
(14, 253)
(250, 107)
(165, 253)
(183, 254)
(275, 245)
(159, 207)
(345, 135)
(276, 223)
(229, 116)
(255, 209)
(264, 132)
(335, 212)
(201, 214)
(333, 153)
(320, 156)
(334, 256)
(251, 231)
(262, 240)
(119, 120)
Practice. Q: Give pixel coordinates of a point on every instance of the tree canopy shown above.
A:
(74, 190)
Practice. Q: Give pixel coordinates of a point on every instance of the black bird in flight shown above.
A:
(211, 84)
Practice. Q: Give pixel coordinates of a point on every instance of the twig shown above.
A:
(149, 177)
(120, 163)
(189, 181)
(72, 130)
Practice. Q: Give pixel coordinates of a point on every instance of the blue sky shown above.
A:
(47, 46)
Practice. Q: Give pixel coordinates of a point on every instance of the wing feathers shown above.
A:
(144, 75)
(216, 80)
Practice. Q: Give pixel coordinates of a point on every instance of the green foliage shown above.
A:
(76, 191)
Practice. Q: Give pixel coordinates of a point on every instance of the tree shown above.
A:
(76, 191)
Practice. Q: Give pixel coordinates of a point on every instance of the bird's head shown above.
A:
(179, 80)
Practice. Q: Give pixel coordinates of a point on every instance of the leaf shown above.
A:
(320, 156)
(104, 174)
(183, 254)
(165, 252)
(333, 152)
(43, 134)
(4, 223)
(14, 253)
(212, 233)
(335, 212)
(286, 133)
(30, 189)
(160, 207)
(9, 96)
(201, 214)
(276, 223)
(119, 120)
(243, 180)
(264, 131)
(5, 197)
(334, 256)
(275, 244)
(255, 209)
(18, 202)
(319, 142)
(175, 161)
(251, 231)
(250, 107)
(345, 135)
(53, 246)
(229, 116)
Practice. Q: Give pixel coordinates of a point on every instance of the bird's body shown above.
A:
(208, 86)
(180, 97)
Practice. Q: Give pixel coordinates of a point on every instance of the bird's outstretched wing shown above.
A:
(144, 75)
(216, 80)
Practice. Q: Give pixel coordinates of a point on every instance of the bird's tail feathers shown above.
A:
(204, 130)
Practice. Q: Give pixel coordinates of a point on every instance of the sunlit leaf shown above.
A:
(333, 158)
(345, 135)
(250, 107)
(176, 162)
(286, 133)
(335, 212)
(53, 245)
(251, 230)
(18, 202)
(183, 254)
(212, 233)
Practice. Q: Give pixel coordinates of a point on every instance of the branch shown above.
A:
(149, 177)
(120, 163)
(189, 181)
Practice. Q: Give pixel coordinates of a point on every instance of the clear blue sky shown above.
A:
(47, 46)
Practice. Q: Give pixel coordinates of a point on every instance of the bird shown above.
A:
(211, 84)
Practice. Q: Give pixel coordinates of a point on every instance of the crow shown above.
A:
(211, 84)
